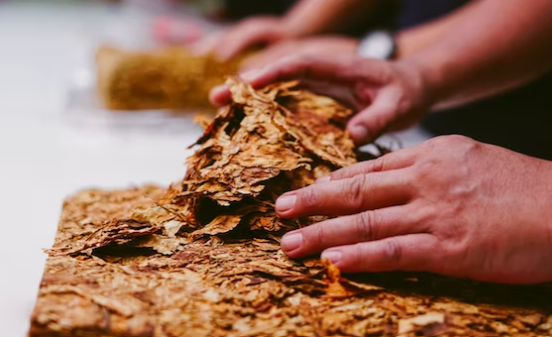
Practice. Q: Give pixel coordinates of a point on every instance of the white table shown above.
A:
(43, 159)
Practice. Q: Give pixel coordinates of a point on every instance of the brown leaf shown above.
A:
(203, 257)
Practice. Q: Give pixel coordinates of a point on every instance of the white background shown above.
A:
(43, 158)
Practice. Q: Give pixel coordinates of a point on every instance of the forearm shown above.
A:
(412, 40)
(493, 47)
(310, 17)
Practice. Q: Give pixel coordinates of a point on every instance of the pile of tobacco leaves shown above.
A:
(203, 258)
(166, 78)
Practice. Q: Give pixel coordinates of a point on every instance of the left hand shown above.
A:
(264, 30)
(334, 45)
(388, 96)
(451, 206)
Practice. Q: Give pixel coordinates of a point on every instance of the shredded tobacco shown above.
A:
(167, 78)
(202, 258)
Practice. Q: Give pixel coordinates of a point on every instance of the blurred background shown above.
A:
(56, 139)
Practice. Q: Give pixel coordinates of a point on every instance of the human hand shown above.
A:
(389, 96)
(451, 206)
(334, 45)
(257, 30)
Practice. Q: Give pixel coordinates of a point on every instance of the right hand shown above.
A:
(451, 206)
(389, 96)
(264, 30)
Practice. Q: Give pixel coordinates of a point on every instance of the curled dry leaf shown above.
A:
(202, 257)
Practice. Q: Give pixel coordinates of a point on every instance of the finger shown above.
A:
(392, 161)
(220, 95)
(372, 122)
(339, 71)
(338, 91)
(347, 196)
(414, 252)
(347, 230)
(266, 57)
(242, 38)
(300, 67)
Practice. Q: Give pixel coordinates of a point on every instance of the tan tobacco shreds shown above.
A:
(166, 78)
(203, 257)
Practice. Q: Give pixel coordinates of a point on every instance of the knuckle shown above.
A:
(315, 236)
(309, 198)
(423, 170)
(378, 121)
(451, 141)
(426, 167)
(356, 257)
(365, 225)
(425, 215)
(320, 237)
(437, 142)
(354, 190)
(392, 252)
(377, 165)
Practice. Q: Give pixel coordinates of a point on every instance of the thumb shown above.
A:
(373, 121)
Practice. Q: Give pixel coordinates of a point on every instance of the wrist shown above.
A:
(378, 44)
(406, 44)
(421, 81)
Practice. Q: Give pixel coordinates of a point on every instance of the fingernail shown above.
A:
(292, 241)
(333, 255)
(358, 132)
(219, 95)
(324, 179)
(286, 202)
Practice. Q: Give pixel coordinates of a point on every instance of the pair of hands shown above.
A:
(450, 205)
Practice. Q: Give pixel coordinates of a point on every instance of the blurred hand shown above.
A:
(326, 45)
(389, 96)
(257, 30)
(451, 206)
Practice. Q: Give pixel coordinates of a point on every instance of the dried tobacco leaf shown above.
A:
(202, 258)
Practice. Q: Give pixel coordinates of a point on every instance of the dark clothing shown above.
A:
(519, 120)
(239, 9)
(415, 12)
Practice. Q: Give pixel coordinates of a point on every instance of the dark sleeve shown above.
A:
(415, 12)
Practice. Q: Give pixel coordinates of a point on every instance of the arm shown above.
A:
(310, 17)
(307, 17)
(492, 47)
(412, 40)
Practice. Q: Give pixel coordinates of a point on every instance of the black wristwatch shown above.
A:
(378, 44)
